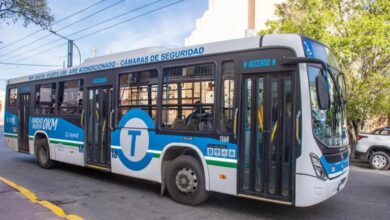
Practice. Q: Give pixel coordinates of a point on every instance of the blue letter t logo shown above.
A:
(133, 135)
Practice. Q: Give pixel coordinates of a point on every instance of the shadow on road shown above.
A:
(218, 202)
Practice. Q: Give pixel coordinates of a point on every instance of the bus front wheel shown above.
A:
(43, 154)
(186, 182)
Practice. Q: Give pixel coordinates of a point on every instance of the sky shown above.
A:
(164, 27)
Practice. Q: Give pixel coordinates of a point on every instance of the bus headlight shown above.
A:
(317, 166)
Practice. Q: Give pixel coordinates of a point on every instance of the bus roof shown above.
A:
(144, 56)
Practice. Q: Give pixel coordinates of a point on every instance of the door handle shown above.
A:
(297, 127)
(82, 119)
(111, 119)
(235, 123)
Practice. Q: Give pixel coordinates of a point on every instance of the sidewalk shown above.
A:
(17, 202)
(13, 205)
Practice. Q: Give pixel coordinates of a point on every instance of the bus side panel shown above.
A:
(31, 141)
(222, 173)
(151, 172)
(68, 154)
(137, 151)
(223, 178)
(66, 140)
(11, 142)
(11, 131)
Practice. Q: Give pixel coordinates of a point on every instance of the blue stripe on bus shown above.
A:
(59, 129)
(331, 168)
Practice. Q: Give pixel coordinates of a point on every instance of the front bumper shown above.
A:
(311, 190)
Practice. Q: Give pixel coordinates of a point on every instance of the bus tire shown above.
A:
(43, 154)
(186, 181)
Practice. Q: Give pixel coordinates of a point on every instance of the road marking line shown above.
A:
(33, 198)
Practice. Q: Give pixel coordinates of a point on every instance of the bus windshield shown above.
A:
(329, 125)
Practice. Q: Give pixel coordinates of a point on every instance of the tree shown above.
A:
(35, 11)
(358, 31)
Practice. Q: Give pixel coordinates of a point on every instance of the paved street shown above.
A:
(97, 195)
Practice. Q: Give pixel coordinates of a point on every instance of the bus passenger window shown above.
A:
(45, 99)
(13, 96)
(138, 90)
(188, 98)
(170, 113)
(227, 113)
(70, 97)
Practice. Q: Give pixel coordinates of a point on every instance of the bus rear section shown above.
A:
(16, 120)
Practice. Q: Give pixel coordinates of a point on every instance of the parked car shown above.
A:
(375, 147)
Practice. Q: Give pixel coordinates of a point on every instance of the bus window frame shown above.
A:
(8, 98)
(117, 107)
(221, 92)
(187, 63)
(57, 108)
(55, 112)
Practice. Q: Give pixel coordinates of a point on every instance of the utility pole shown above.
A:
(70, 53)
(251, 14)
(251, 19)
(70, 49)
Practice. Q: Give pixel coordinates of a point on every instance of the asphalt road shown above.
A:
(97, 195)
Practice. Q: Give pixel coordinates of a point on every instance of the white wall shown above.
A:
(265, 10)
(228, 19)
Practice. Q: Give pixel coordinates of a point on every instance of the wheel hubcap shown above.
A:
(379, 161)
(186, 180)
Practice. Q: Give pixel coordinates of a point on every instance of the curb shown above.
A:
(33, 198)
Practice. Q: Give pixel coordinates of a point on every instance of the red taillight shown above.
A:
(359, 137)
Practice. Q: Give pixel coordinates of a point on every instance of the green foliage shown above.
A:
(35, 11)
(358, 32)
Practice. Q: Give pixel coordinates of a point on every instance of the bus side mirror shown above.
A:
(322, 92)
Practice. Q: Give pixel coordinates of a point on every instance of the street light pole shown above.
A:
(70, 53)
(70, 49)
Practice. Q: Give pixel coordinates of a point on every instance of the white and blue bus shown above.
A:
(261, 118)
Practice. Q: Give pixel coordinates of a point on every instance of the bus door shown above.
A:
(23, 115)
(266, 136)
(97, 129)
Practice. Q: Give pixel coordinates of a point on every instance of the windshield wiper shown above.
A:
(339, 100)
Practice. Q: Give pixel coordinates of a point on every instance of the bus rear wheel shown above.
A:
(43, 154)
(186, 182)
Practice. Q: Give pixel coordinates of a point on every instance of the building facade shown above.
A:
(231, 19)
